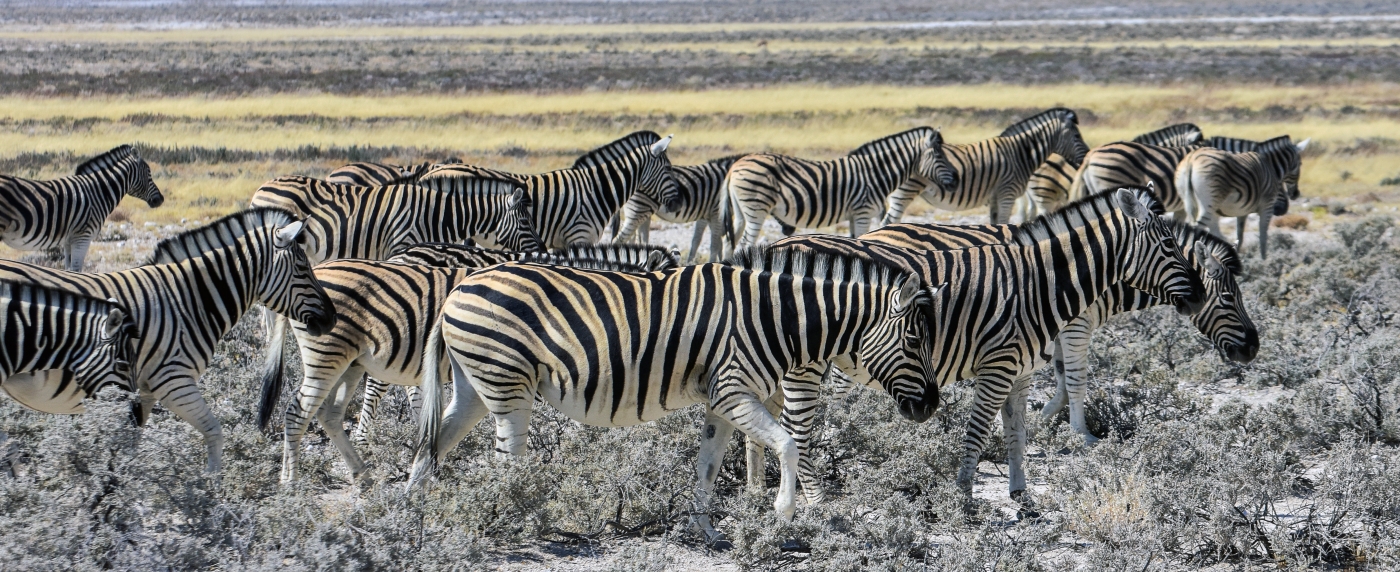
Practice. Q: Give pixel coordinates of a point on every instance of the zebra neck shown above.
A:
(38, 347)
(223, 284)
(888, 167)
(801, 320)
(1067, 273)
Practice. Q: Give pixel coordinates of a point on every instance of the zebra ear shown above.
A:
(116, 317)
(1130, 205)
(655, 260)
(659, 148)
(906, 295)
(288, 234)
(1303, 145)
(1214, 267)
(516, 197)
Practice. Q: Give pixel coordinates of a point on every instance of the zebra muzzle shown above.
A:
(919, 410)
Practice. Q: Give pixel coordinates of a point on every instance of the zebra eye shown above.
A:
(1169, 242)
(1227, 297)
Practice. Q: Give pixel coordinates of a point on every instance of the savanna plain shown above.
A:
(1291, 461)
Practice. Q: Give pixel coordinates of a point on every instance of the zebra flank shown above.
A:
(1179, 135)
(994, 172)
(68, 213)
(1282, 153)
(299, 195)
(1127, 164)
(1217, 183)
(376, 174)
(573, 206)
(812, 194)
(384, 312)
(1017, 295)
(1048, 188)
(190, 294)
(614, 349)
(88, 339)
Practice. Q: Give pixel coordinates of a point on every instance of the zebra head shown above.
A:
(515, 228)
(898, 350)
(1287, 161)
(139, 183)
(109, 360)
(290, 288)
(657, 181)
(1153, 262)
(933, 163)
(1223, 318)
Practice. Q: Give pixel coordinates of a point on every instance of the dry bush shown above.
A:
(1291, 221)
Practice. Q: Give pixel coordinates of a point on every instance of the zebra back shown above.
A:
(1048, 187)
(299, 195)
(376, 174)
(639, 258)
(48, 328)
(1179, 135)
(1127, 164)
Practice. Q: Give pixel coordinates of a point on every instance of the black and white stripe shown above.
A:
(614, 349)
(366, 174)
(1179, 135)
(812, 194)
(573, 206)
(700, 191)
(42, 329)
(189, 296)
(1126, 164)
(68, 213)
(1216, 183)
(994, 172)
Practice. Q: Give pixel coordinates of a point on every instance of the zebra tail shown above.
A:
(430, 417)
(726, 214)
(272, 368)
(1077, 189)
(1185, 178)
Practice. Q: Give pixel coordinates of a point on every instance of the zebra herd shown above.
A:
(495, 283)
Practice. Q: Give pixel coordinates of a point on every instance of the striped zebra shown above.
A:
(87, 339)
(1223, 320)
(1179, 135)
(1287, 156)
(1217, 183)
(700, 189)
(810, 194)
(1124, 164)
(68, 213)
(613, 349)
(1016, 297)
(384, 311)
(573, 206)
(1048, 188)
(375, 223)
(994, 172)
(377, 174)
(191, 293)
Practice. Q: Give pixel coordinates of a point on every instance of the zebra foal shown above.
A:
(43, 329)
(68, 213)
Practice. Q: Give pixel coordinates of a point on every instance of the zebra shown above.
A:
(1214, 182)
(383, 315)
(995, 171)
(572, 206)
(68, 213)
(189, 295)
(1179, 135)
(87, 338)
(1017, 296)
(1125, 164)
(377, 174)
(614, 349)
(808, 194)
(1048, 188)
(1223, 320)
(700, 189)
(375, 223)
(1287, 156)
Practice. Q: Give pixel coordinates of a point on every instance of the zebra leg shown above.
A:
(332, 417)
(1013, 423)
(320, 378)
(747, 413)
(462, 413)
(644, 232)
(512, 428)
(753, 462)
(1264, 218)
(1056, 403)
(77, 252)
(415, 400)
(191, 408)
(801, 397)
(695, 242)
(991, 392)
(1240, 222)
(1074, 355)
(374, 392)
(714, 439)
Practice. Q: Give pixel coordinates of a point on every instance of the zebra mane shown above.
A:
(218, 234)
(1190, 233)
(817, 265)
(621, 146)
(1073, 215)
(1169, 134)
(437, 184)
(871, 146)
(104, 160)
(1053, 115)
(635, 258)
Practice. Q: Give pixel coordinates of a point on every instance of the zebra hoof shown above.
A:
(1026, 505)
(721, 544)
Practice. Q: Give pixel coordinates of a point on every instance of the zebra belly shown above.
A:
(37, 391)
(601, 413)
(17, 242)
